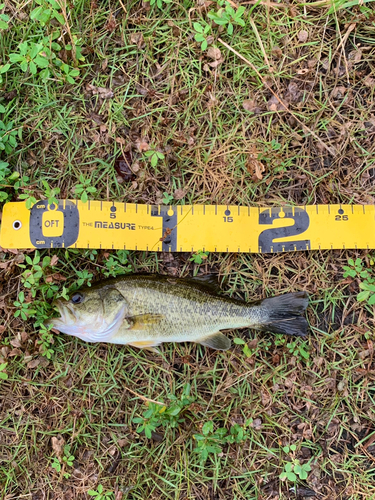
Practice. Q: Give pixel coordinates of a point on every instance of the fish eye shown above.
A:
(77, 298)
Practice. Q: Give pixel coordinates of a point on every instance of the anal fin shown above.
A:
(216, 341)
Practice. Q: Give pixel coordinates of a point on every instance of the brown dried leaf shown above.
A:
(255, 167)
(369, 81)
(355, 56)
(274, 104)
(55, 277)
(179, 194)
(303, 36)
(251, 106)
(216, 63)
(58, 444)
(137, 39)
(15, 342)
(15, 352)
(102, 92)
(33, 364)
(142, 145)
(214, 53)
(54, 260)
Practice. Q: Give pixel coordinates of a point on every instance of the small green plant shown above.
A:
(209, 441)
(356, 269)
(159, 3)
(3, 69)
(154, 156)
(51, 193)
(31, 276)
(294, 468)
(84, 189)
(159, 415)
(199, 257)
(167, 198)
(25, 309)
(228, 16)
(4, 19)
(8, 135)
(31, 56)
(47, 10)
(245, 349)
(202, 34)
(3, 374)
(4, 170)
(100, 494)
(275, 145)
(66, 460)
(117, 264)
(298, 349)
(84, 277)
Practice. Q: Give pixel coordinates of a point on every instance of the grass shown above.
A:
(146, 85)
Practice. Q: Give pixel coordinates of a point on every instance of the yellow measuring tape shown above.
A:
(187, 228)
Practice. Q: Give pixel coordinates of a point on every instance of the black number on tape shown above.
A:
(52, 226)
(301, 224)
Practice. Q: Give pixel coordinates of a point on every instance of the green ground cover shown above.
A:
(256, 103)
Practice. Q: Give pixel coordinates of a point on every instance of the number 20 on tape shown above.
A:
(187, 228)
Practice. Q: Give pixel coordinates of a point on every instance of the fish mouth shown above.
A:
(68, 316)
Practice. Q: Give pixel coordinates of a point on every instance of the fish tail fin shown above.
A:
(283, 314)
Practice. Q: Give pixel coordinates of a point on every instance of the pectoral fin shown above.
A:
(144, 321)
(216, 341)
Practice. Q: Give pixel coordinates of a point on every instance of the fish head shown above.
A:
(91, 314)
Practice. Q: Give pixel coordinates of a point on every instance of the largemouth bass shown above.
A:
(146, 310)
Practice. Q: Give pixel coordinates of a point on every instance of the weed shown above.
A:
(47, 10)
(159, 3)
(228, 16)
(117, 264)
(84, 189)
(202, 34)
(25, 308)
(51, 193)
(67, 460)
(31, 56)
(157, 415)
(245, 349)
(3, 374)
(100, 494)
(4, 18)
(298, 349)
(356, 269)
(167, 198)
(199, 257)
(84, 277)
(154, 156)
(294, 468)
(8, 134)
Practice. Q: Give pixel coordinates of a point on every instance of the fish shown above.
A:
(146, 310)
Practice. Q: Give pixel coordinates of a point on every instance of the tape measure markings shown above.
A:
(218, 228)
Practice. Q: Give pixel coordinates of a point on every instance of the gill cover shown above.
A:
(93, 314)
